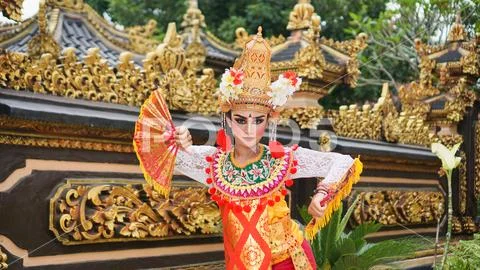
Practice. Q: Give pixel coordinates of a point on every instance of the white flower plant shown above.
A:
(449, 163)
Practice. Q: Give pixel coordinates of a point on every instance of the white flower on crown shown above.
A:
(286, 84)
(231, 84)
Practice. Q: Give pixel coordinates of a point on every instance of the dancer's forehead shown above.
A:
(247, 114)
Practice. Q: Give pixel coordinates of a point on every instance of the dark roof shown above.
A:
(287, 53)
(292, 48)
(76, 34)
(216, 52)
(73, 30)
(449, 56)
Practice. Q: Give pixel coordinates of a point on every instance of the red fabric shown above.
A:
(288, 264)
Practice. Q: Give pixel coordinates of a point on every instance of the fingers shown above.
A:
(183, 137)
(315, 209)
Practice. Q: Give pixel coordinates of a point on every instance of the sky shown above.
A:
(30, 8)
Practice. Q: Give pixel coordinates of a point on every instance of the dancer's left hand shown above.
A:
(315, 209)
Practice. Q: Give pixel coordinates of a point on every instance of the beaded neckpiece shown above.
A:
(265, 179)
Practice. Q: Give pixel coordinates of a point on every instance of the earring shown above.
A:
(223, 140)
(276, 148)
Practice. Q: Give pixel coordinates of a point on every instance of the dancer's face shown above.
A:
(248, 127)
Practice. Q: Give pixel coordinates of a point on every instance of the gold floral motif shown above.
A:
(470, 64)
(456, 225)
(468, 225)
(310, 62)
(3, 260)
(300, 16)
(477, 160)
(193, 17)
(65, 143)
(462, 98)
(457, 31)
(462, 178)
(399, 207)
(60, 129)
(91, 212)
(94, 79)
(12, 9)
(306, 117)
(140, 37)
(366, 122)
(70, 4)
(43, 42)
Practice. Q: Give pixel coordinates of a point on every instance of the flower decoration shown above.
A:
(231, 84)
(283, 88)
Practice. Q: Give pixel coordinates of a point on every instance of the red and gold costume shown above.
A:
(258, 230)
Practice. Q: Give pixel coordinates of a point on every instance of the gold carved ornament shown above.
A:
(300, 16)
(242, 36)
(94, 79)
(3, 260)
(366, 122)
(43, 42)
(12, 9)
(462, 175)
(83, 213)
(307, 117)
(462, 99)
(309, 60)
(399, 207)
(477, 160)
(140, 37)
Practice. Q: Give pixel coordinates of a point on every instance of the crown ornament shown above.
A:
(247, 85)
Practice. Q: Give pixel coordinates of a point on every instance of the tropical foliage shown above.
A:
(335, 248)
(465, 255)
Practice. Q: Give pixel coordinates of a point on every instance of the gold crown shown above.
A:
(255, 64)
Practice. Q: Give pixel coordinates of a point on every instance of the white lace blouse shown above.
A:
(331, 166)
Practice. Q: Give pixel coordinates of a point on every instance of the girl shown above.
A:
(248, 180)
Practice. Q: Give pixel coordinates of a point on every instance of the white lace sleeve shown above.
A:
(193, 162)
(331, 166)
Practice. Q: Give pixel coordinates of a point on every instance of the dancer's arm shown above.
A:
(191, 160)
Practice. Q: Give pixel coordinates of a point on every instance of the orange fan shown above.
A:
(154, 143)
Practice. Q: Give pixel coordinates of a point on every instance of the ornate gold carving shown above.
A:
(12, 9)
(468, 225)
(28, 140)
(310, 62)
(462, 178)
(462, 98)
(43, 42)
(70, 4)
(166, 68)
(194, 16)
(141, 37)
(306, 117)
(457, 32)
(456, 225)
(477, 160)
(300, 16)
(470, 64)
(3, 260)
(242, 37)
(365, 123)
(399, 207)
(45, 128)
(84, 212)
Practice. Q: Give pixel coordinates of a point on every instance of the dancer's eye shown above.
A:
(241, 121)
(258, 121)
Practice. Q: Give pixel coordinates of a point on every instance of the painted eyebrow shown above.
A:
(243, 117)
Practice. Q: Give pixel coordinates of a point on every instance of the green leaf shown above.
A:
(346, 217)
